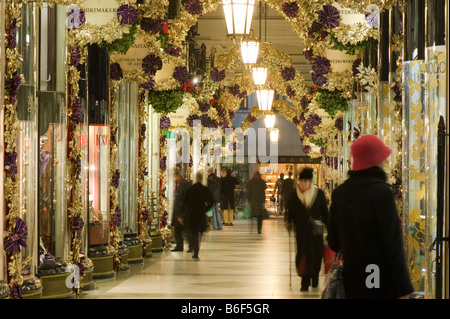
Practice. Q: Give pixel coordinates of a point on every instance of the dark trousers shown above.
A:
(195, 242)
(260, 220)
(306, 280)
(179, 239)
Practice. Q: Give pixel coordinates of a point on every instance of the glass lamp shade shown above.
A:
(238, 16)
(270, 121)
(249, 51)
(265, 99)
(259, 75)
(274, 135)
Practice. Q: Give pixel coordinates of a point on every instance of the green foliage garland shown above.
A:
(165, 102)
(350, 49)
(331, 101)
(121, 45)
(319, 142)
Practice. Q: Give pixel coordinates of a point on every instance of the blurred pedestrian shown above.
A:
(213, 184)
(227, 203)
(365, 227)
(256, 197)
(277, 191)
(182, 185)
(307, 210)
(287, 188)
(198, 201)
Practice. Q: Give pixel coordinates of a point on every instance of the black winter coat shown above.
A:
(227, 185)
(198, 201)
(178, 204)
(256, 195)
(213, 184)
(308, 247)
(365, 226)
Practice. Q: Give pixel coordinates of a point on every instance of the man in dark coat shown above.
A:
(213, 184)
(365, 227)
(305, 202)
(227, 185)
(278, 191)
(182, 185)
(198, 201)
(287, 188)
(256, 197)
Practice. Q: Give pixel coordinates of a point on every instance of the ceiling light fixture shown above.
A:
(259, 75)
(265, 99)
(238, 16)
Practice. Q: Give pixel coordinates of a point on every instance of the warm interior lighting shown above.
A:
(249, 51)
(270, 120)
(265, 99)
(259, 75)
(238, 16)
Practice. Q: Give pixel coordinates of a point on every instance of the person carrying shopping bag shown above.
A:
(307, 212)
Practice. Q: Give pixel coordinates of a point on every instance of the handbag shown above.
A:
(209, 213)
(334, 284)
(317, 226)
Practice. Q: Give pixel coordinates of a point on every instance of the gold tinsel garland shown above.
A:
(116, 235)
(11, 128)
(142, 172)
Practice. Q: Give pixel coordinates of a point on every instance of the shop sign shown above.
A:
(100, 12)
(178, 118)
(298, 159)
(132, 60)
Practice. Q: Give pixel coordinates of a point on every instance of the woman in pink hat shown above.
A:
(365, 227)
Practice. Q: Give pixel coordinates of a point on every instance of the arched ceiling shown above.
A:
(268, 25)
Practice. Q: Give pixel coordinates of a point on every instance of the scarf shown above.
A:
(307, 197)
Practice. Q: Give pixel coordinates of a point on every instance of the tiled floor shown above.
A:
(235, 263)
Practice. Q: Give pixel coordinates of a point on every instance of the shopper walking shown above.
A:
(213, 184)
(277, 191)
(365, 227)
(287, 188)
(182, 186)
(198, 201)
(227, 203)
(256, 197)
(306, 207)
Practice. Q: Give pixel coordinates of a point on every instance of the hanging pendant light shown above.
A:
(270, 121)
(238, 16)
(265, 99)
(259, 75)
(250, 51)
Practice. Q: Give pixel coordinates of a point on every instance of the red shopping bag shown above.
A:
(301, 267)
(328, 257)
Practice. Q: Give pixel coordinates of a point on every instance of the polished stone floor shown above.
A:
(234, 263)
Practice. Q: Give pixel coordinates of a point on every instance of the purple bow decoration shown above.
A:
(17, 239)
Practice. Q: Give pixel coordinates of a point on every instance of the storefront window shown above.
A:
(128, 139)
(53, 234)
(153, 166)
(27, 142)
(435, 79)
(99, 150)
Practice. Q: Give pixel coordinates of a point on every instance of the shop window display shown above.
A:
(100, 251)
(435, 99)
(54, 238)
(128, 143)
(27, 145)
